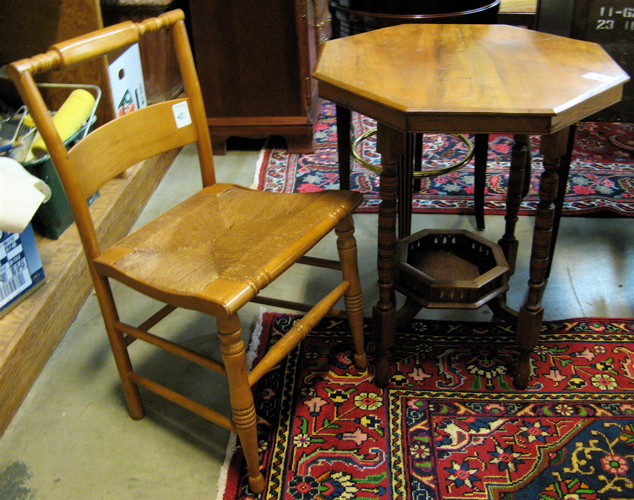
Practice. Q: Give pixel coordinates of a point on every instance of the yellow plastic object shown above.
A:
(28, 121)
(69, 119)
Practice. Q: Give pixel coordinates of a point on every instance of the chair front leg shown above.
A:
(242, 404)
(347, 248)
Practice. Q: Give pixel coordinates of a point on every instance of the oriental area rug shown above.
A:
(601, 179)
(449, 425)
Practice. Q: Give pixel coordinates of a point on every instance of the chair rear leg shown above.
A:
(242, 404)
(119, 347)
(347, 248)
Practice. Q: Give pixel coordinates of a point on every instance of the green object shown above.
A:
(54, 216)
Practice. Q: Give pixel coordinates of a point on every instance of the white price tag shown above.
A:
(181, 114)
(598, 77)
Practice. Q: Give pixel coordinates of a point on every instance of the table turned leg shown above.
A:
(563, 172)
(344, 120)
(390, 144)
(529, 322)
(413, 148)
(481, 157)
(520, 157)
(514, 196)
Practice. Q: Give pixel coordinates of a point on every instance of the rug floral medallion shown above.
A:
(601, 178)
(449, 425)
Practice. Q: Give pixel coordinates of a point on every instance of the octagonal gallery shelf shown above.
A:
(450, 269)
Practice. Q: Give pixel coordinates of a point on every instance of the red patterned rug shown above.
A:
(601, 176)
(449, 425)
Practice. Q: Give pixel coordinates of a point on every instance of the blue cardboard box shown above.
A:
(21, 270)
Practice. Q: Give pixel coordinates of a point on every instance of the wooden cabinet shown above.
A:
(255, 61)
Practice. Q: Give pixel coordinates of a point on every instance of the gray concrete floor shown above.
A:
(73, 439)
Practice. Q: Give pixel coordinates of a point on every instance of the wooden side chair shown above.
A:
(212, 253)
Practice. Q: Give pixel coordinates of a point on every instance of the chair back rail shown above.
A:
(130, 139)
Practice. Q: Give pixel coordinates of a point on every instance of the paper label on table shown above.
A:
(181, 114)
(598, 77)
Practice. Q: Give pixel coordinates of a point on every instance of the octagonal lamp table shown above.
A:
(457, 78)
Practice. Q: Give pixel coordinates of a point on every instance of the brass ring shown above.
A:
(427, 173)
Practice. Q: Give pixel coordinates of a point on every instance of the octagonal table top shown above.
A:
(469, 78)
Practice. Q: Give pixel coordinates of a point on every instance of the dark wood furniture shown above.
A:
(213, 253)
(518, 13)
(350, 17)
(255, 60)
(487, 79)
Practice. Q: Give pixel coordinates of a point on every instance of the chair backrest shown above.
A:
(125, 141)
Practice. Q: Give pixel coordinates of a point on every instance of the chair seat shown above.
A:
(206, 248)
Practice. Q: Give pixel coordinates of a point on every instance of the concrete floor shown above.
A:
(73, 438)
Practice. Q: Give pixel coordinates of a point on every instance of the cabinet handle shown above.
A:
(309, 90)
(323, 40)
(320, 26)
